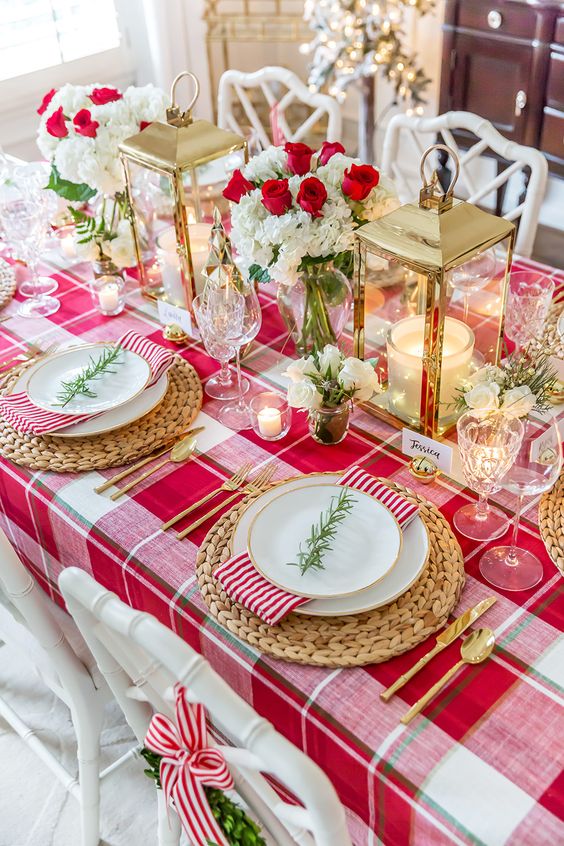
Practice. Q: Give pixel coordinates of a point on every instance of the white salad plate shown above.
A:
(282, 526)
(411, 561)
(130, 375)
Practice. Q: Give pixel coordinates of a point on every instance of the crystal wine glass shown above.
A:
(30, 180)
(24, 227)
(221, 387)
(236, 319)
(535, 470)
(528, 301)
(473, 275)
(488, 443)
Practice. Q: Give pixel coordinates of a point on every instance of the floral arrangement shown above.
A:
(294, 207)
(522, 384)
(79, 133)
(327, 379)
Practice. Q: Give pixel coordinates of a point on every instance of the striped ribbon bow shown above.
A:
(188, 764)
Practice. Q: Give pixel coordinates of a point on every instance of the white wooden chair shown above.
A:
(281, 89)
(142, 660)
(46, 636)
(405, 128)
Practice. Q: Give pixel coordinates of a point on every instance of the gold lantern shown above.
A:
(182, 166)
(430, 289)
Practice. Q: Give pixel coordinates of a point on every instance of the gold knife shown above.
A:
(451, 633)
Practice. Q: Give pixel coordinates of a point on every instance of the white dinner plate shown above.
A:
(109, 420)
(352, 563)
(130, 375)
(409, 566)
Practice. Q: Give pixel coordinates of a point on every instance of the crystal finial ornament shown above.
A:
(220, 267)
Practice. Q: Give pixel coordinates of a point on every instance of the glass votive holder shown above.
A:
(108, 294)
(64, 236)
(271, 415)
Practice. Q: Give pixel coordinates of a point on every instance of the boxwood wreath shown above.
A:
(239, 829)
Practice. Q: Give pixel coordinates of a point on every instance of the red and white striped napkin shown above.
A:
(23, 415)
(246, 585)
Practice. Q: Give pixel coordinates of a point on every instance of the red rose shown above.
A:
(328, 150)
(101, 96)
(84, 125)
(144, 124)
(299, 157)
(55, 125)
(312, 195)
(46, 100)
(276, 196)
(359, 181)
(237, 187)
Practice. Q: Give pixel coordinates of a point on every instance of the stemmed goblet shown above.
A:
(30, 180)
(24, 227)
(488, 443)
(221, 387)
(472, 276)
(535, 470)
(236, 319)
(528, 301)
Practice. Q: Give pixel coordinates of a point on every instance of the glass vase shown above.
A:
(105, 267)
(316, 308)
(329, 425)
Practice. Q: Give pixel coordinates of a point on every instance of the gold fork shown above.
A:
(236, 480)
(258, 484)
(33, 352)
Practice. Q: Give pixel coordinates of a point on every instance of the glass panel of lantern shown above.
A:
(175, 174)
(430, 288)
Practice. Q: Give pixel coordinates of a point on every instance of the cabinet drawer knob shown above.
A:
(495, 19)
(520, 102)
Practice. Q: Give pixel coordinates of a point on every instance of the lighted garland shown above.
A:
(355, 39)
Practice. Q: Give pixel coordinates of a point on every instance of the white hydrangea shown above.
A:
(281, 242)
(95, 161)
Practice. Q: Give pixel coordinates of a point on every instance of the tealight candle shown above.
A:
(109, 297)
(270, 415)
(65, 237)
(108, 294)
(167, 255)
(269, 422)
(405, 363)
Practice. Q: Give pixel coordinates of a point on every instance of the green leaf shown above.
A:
(76, 193)
(259, 274)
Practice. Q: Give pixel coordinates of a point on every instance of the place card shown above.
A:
(413, 443)
(169, 313)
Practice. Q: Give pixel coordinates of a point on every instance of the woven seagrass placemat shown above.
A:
(7, 283)
(551, 522)
(367, 638)
(179, 407)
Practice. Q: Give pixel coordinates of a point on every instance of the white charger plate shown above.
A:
(131, 375)
(109, 420)
(353, 562)
(410, 564)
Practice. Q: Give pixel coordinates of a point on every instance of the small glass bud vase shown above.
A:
(329, 425)
(271, 415)
(108, 294)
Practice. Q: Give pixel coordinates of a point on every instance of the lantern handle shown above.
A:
(174, 115)
(429, 187)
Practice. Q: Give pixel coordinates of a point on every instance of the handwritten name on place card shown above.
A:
(169, 313)
(412, 443)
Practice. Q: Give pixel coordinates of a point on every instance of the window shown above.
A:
(37, 34)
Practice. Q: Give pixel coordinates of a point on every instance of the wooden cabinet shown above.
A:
(504, 60)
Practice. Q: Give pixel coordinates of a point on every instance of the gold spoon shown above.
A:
(475, 649)
(180, 452)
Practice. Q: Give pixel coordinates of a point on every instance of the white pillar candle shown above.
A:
(405, 363)
(68, 247)
(109, 297)
(167, 255)
(269, 422)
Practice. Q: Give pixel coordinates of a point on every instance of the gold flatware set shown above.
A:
(32, 353)
(474, 649)
(231, 484)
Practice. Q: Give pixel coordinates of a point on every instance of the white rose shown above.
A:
(519, 401)
(303, 395)
(359, 376)
(121, 250)
(90, 251)
(297, 370)
(330, 361)
(489, 373)
(483, 397)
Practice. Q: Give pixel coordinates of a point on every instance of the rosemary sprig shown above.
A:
(81, 382)
(323, 533)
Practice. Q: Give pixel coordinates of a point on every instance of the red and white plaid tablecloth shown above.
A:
(484, 766)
